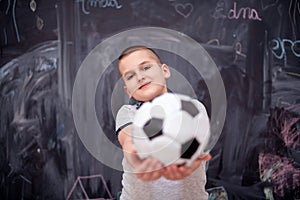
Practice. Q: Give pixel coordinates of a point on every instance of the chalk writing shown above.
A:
(184, 9)
(235, 13)
(244, 12)
(87, 4)
(279, 51)
(219, 11)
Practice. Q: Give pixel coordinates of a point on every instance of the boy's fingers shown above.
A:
(173, 172)
(205, 157)
(150, 169)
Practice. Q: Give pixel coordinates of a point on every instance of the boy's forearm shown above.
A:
(128, 150)
(124, 138)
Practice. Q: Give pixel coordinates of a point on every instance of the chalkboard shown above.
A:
(254, 44)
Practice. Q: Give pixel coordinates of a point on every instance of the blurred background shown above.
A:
(255, 45)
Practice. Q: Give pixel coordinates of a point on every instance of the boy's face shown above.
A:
(144, 76)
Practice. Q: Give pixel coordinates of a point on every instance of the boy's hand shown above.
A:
(175, 172)
(150, 169)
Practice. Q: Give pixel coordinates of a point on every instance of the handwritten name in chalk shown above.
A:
(235, 13)
(244, 12)
(87, 4)
(280, 45)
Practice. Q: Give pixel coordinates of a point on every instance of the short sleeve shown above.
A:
(124, 117)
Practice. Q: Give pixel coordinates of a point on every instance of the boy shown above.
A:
(145, 78)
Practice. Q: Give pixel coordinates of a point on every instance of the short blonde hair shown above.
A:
(132, 49)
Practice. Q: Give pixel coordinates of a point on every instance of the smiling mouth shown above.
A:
(144, 85)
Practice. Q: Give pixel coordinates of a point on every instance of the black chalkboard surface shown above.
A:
(254, 45)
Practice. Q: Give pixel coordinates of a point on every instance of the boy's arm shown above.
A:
(148, 169)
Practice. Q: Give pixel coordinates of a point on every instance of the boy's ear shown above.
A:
(166, 71)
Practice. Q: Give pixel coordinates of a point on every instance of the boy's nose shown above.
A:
(140, 76)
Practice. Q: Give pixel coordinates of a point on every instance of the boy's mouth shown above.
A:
(144, 85)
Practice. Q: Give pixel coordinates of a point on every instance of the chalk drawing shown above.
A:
(78, 181)
(184, 10)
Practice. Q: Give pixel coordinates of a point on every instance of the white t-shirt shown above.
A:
(191, 187)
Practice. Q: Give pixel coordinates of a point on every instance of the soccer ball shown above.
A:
(172, 128)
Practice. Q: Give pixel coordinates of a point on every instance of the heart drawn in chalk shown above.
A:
(184, 9)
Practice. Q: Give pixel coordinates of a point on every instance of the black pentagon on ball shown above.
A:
(189, 107)
(153, 128)
(189, 148)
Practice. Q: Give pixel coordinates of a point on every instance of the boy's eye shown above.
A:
(129, 77)
(146, 67)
